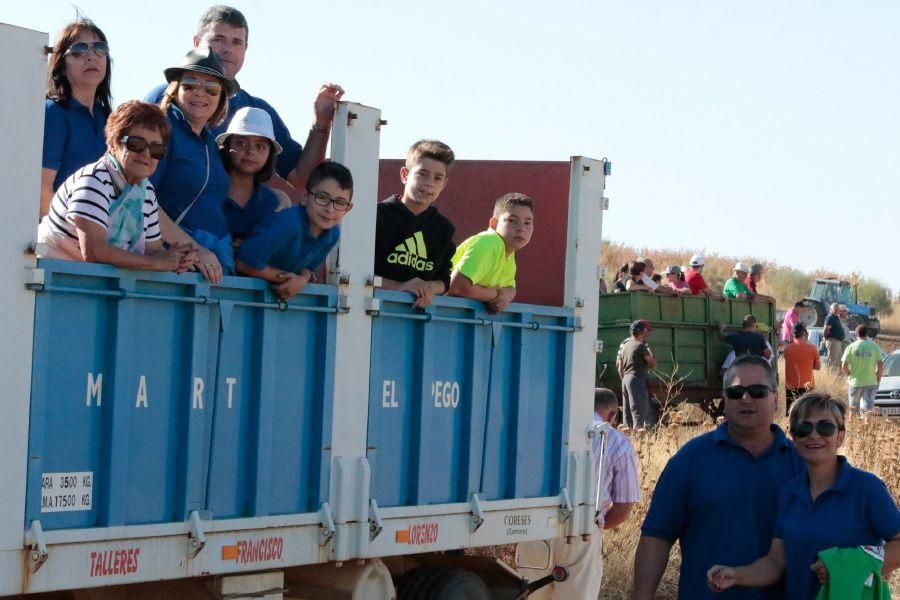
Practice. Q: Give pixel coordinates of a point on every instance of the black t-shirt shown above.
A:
(837, 328)
(408, 245)
(747, 342)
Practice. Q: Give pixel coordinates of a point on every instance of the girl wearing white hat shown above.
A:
(248, 149)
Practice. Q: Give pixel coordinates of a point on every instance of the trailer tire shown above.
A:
(434, 583)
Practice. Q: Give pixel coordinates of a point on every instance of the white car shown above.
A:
(887, 399)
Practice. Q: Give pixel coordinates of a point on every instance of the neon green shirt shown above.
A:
(733, 287)
(862, 356)
(482, 258)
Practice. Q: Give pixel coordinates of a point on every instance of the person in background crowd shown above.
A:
(603, 288)
(735, 470)
(834, 334)
(694, 278)
(79, 100)
(735, 287)
(620, 489)
(653, 280)
(635, 281)
(621, 279)
(225, 30)
(191, 181)
(800, 360)
(837, 526)
(756, 274)
(675, 278)
(748, 340)
(248, 149)
(106, 212)
(863, 365)
(634, 362)
(791, 318)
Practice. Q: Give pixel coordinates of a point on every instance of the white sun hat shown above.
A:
(250, 121)
(742, 267)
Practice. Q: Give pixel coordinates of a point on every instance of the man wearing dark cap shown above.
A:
(800, 360)
(634, 363)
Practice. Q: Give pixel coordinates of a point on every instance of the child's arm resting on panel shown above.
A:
(286, 284)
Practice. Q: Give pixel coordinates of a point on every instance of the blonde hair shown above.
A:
(816, 400)
(217, 117)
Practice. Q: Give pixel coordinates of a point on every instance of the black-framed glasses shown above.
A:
(137, 144)
(213, 88)
(823, 427)
(755, 391)
(323, 199)
(79, 49)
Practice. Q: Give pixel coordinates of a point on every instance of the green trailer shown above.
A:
(687, 341)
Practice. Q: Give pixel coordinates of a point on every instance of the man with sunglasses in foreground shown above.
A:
(717, 496)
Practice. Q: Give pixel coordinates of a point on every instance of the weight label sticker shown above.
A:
(64, 492)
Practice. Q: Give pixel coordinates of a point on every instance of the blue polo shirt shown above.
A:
(857, 510)
(283, 240)
(73, 137)
(180, 177)
(241, 221)
(291, 149)
(720, 503)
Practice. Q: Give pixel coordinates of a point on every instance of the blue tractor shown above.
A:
(827, 291)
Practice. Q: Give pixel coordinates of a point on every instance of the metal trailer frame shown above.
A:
(348, 525)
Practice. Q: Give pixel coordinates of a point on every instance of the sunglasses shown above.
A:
(803, 429)
(755, 391)
(80, 49)
(324, 200)
(137, 144)
(213, 88)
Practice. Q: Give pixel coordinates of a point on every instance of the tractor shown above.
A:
(827, 291)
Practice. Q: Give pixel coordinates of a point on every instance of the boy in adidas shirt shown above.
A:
(484, 266)
(287, 247)
(413, 241)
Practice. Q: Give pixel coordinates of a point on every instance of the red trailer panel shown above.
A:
(468, 201)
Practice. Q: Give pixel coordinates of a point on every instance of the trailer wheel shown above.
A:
(431, 583)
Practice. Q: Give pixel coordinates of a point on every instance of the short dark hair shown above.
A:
(862, 331)
(798, 330)
(750, 360)
(58, 86)
(798, 304)
(135, 113)
(507, 201)
(260, 176)
(604, 398)
(220, 13)
(636, 267)
(748, 321)
(331, 170)
(433, 149)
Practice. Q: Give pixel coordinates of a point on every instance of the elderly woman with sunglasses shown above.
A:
(834, 521)
(77, 106)
(191, 181)
(106, 211)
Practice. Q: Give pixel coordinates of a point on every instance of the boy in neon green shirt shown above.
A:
(484, 266)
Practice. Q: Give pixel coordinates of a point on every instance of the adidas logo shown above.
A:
(412, 253)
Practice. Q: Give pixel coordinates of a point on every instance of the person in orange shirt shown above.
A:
(800, 360)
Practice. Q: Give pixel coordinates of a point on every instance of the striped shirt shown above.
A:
(88, 193)
(621, 482)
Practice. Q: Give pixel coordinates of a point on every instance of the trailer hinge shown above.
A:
(38, 555)
(375, 523)
(477, 512)
(326, 524)
(565, 506)
(373, 306)
(197, 535)
(34, 279)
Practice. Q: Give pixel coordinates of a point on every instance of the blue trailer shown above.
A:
(176, 437)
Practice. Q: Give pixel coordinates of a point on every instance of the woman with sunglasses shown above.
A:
(191, 181)
(77, 106)
(106, 211)
(834, 505)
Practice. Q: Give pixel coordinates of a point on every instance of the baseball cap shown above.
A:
(673, 270)
(756, 269)
(697, 260)
(742, 267)
(640, 326)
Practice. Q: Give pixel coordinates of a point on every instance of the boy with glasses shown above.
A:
(287, 247)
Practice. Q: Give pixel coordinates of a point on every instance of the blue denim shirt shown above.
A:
(720, 502)
(73, 137)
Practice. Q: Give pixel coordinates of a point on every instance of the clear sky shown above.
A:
(766, 129)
